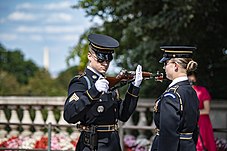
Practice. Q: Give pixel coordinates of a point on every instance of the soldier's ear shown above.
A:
(89, 56)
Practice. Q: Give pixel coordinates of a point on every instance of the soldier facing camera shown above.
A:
(91, 103)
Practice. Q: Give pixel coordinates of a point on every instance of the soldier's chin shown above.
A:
(103, 71)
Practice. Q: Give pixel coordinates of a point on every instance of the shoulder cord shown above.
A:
(174, 89)
(88, 82)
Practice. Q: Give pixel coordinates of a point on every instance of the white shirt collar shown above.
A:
(179, 79)
(93, 70)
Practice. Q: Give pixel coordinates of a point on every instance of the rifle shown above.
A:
(125, 77)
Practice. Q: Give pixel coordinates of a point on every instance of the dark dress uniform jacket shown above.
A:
(176, 112)
(91, 107)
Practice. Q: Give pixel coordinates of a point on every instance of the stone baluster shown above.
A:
(62, 122)
(50, 115)
(3, 119)
(128, 123)
(38, 121)
(15, 120)
(26, 120)
(153, 126)
(75, 134)
(142, 121)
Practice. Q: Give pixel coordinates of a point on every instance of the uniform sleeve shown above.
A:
(128, 105)
(79, 100)
(169, 123)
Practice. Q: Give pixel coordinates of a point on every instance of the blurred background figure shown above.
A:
(206, 140)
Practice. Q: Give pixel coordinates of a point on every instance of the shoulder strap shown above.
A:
(88, 81)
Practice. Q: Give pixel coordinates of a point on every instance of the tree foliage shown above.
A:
(8, 84)
(64, 77)
(43, 85)
(21, 77)
(14, 63)
(142, 26)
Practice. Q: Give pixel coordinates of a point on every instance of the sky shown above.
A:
(33, 25)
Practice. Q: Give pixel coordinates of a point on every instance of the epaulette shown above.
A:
(174, 90)
(78, 76)
(81, 75)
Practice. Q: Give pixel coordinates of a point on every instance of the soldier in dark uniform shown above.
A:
(93, 105)
(176, 112)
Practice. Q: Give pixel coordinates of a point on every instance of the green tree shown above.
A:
(142, 26)
(8, 84)
(13, 62)
(43, 85)
(64, 77)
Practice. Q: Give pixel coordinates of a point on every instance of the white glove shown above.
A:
(138, 76)
(102, 85)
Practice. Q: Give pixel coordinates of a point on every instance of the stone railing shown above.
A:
(31, 115)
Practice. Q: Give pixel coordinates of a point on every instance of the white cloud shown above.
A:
(48, 6)
(61, 38)
(28, 29)
(36, 37)
(21, 16)
(8, 37)
(50, 29)
(59, 17)
(57, 6)
(46, 17)
(60, 29)
(72, 37)
(26, 6)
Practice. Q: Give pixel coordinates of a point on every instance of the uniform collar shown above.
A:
(179, 79)
(93, 73)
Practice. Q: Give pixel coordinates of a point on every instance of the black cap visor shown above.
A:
(101, 57)
(164, 59)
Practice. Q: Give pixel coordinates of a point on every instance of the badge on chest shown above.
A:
(100, 109)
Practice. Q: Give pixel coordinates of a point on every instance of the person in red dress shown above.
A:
(206, 138)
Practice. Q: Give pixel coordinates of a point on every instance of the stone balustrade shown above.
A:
(31, 115)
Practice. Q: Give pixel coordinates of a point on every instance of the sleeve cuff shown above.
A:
(133, 90)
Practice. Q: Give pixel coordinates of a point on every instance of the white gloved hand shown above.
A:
(138, 76)
(102, 85)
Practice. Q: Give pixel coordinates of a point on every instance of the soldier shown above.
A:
(91, 103)
(176, 112)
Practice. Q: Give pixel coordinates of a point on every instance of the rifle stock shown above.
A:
(113, 81)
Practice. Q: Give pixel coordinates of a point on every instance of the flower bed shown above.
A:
(58, 142)
(62, 141)
(131, 143)
(221, 144)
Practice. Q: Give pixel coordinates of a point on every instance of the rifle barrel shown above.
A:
(130, 75)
